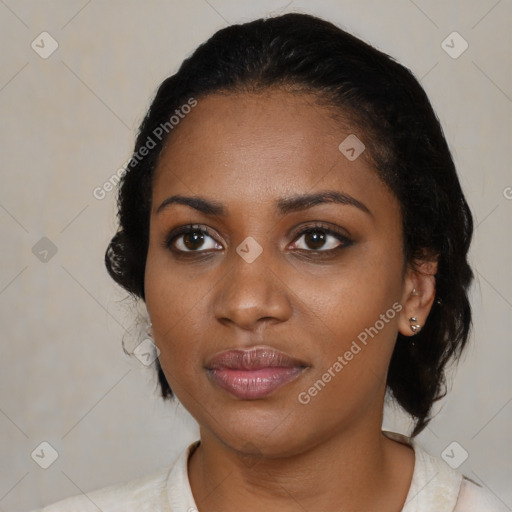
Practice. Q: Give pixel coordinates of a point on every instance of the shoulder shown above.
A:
(436, 486)
(475, 498)
(166, 489)
(138, 495)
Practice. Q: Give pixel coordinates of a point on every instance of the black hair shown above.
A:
(404, 140)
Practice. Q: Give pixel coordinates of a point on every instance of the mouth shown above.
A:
(253, 373)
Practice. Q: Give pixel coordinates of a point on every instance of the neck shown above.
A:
(359, 469)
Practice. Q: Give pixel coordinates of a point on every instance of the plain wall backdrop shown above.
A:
(68, 122)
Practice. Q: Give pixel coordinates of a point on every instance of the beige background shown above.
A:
(68, 124)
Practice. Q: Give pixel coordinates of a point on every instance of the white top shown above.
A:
(435, 487)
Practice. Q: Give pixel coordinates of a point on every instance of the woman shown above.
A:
(292, 218)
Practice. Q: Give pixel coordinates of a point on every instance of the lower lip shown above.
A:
(253, 384)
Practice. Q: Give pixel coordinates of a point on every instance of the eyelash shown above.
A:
(171, 238)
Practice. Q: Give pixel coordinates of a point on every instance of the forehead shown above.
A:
(255, 145)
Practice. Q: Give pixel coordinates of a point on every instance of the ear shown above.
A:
(419, 292)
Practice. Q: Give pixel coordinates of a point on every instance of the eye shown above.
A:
(198, 239)
(192, 239)
(321, 239)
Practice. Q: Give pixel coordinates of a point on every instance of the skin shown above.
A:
(246, 152)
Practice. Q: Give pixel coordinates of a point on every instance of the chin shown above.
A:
(254, 430)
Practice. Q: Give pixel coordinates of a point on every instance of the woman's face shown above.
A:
(277, 312)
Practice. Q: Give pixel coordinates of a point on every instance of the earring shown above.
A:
(415, 292)
(415, 327)
(149, 330)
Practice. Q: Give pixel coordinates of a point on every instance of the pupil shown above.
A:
(315, 239)
(193, 240)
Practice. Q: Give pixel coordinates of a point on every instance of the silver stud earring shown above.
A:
(415, 292)
(415, 327)
(149, 330)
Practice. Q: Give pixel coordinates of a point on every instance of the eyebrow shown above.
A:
(284, 205)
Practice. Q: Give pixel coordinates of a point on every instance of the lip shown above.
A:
(253, 373)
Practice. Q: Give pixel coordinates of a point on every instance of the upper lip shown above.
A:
(253, 358)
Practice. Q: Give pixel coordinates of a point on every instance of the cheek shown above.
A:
(353, 311)
(351, 359)
(171, 293)
(351, 296)
(173, 301)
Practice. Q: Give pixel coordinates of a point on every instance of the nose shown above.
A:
(251, 294)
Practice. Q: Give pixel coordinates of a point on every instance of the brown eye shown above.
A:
(315, 239)
(191, 239)
(319, 239)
